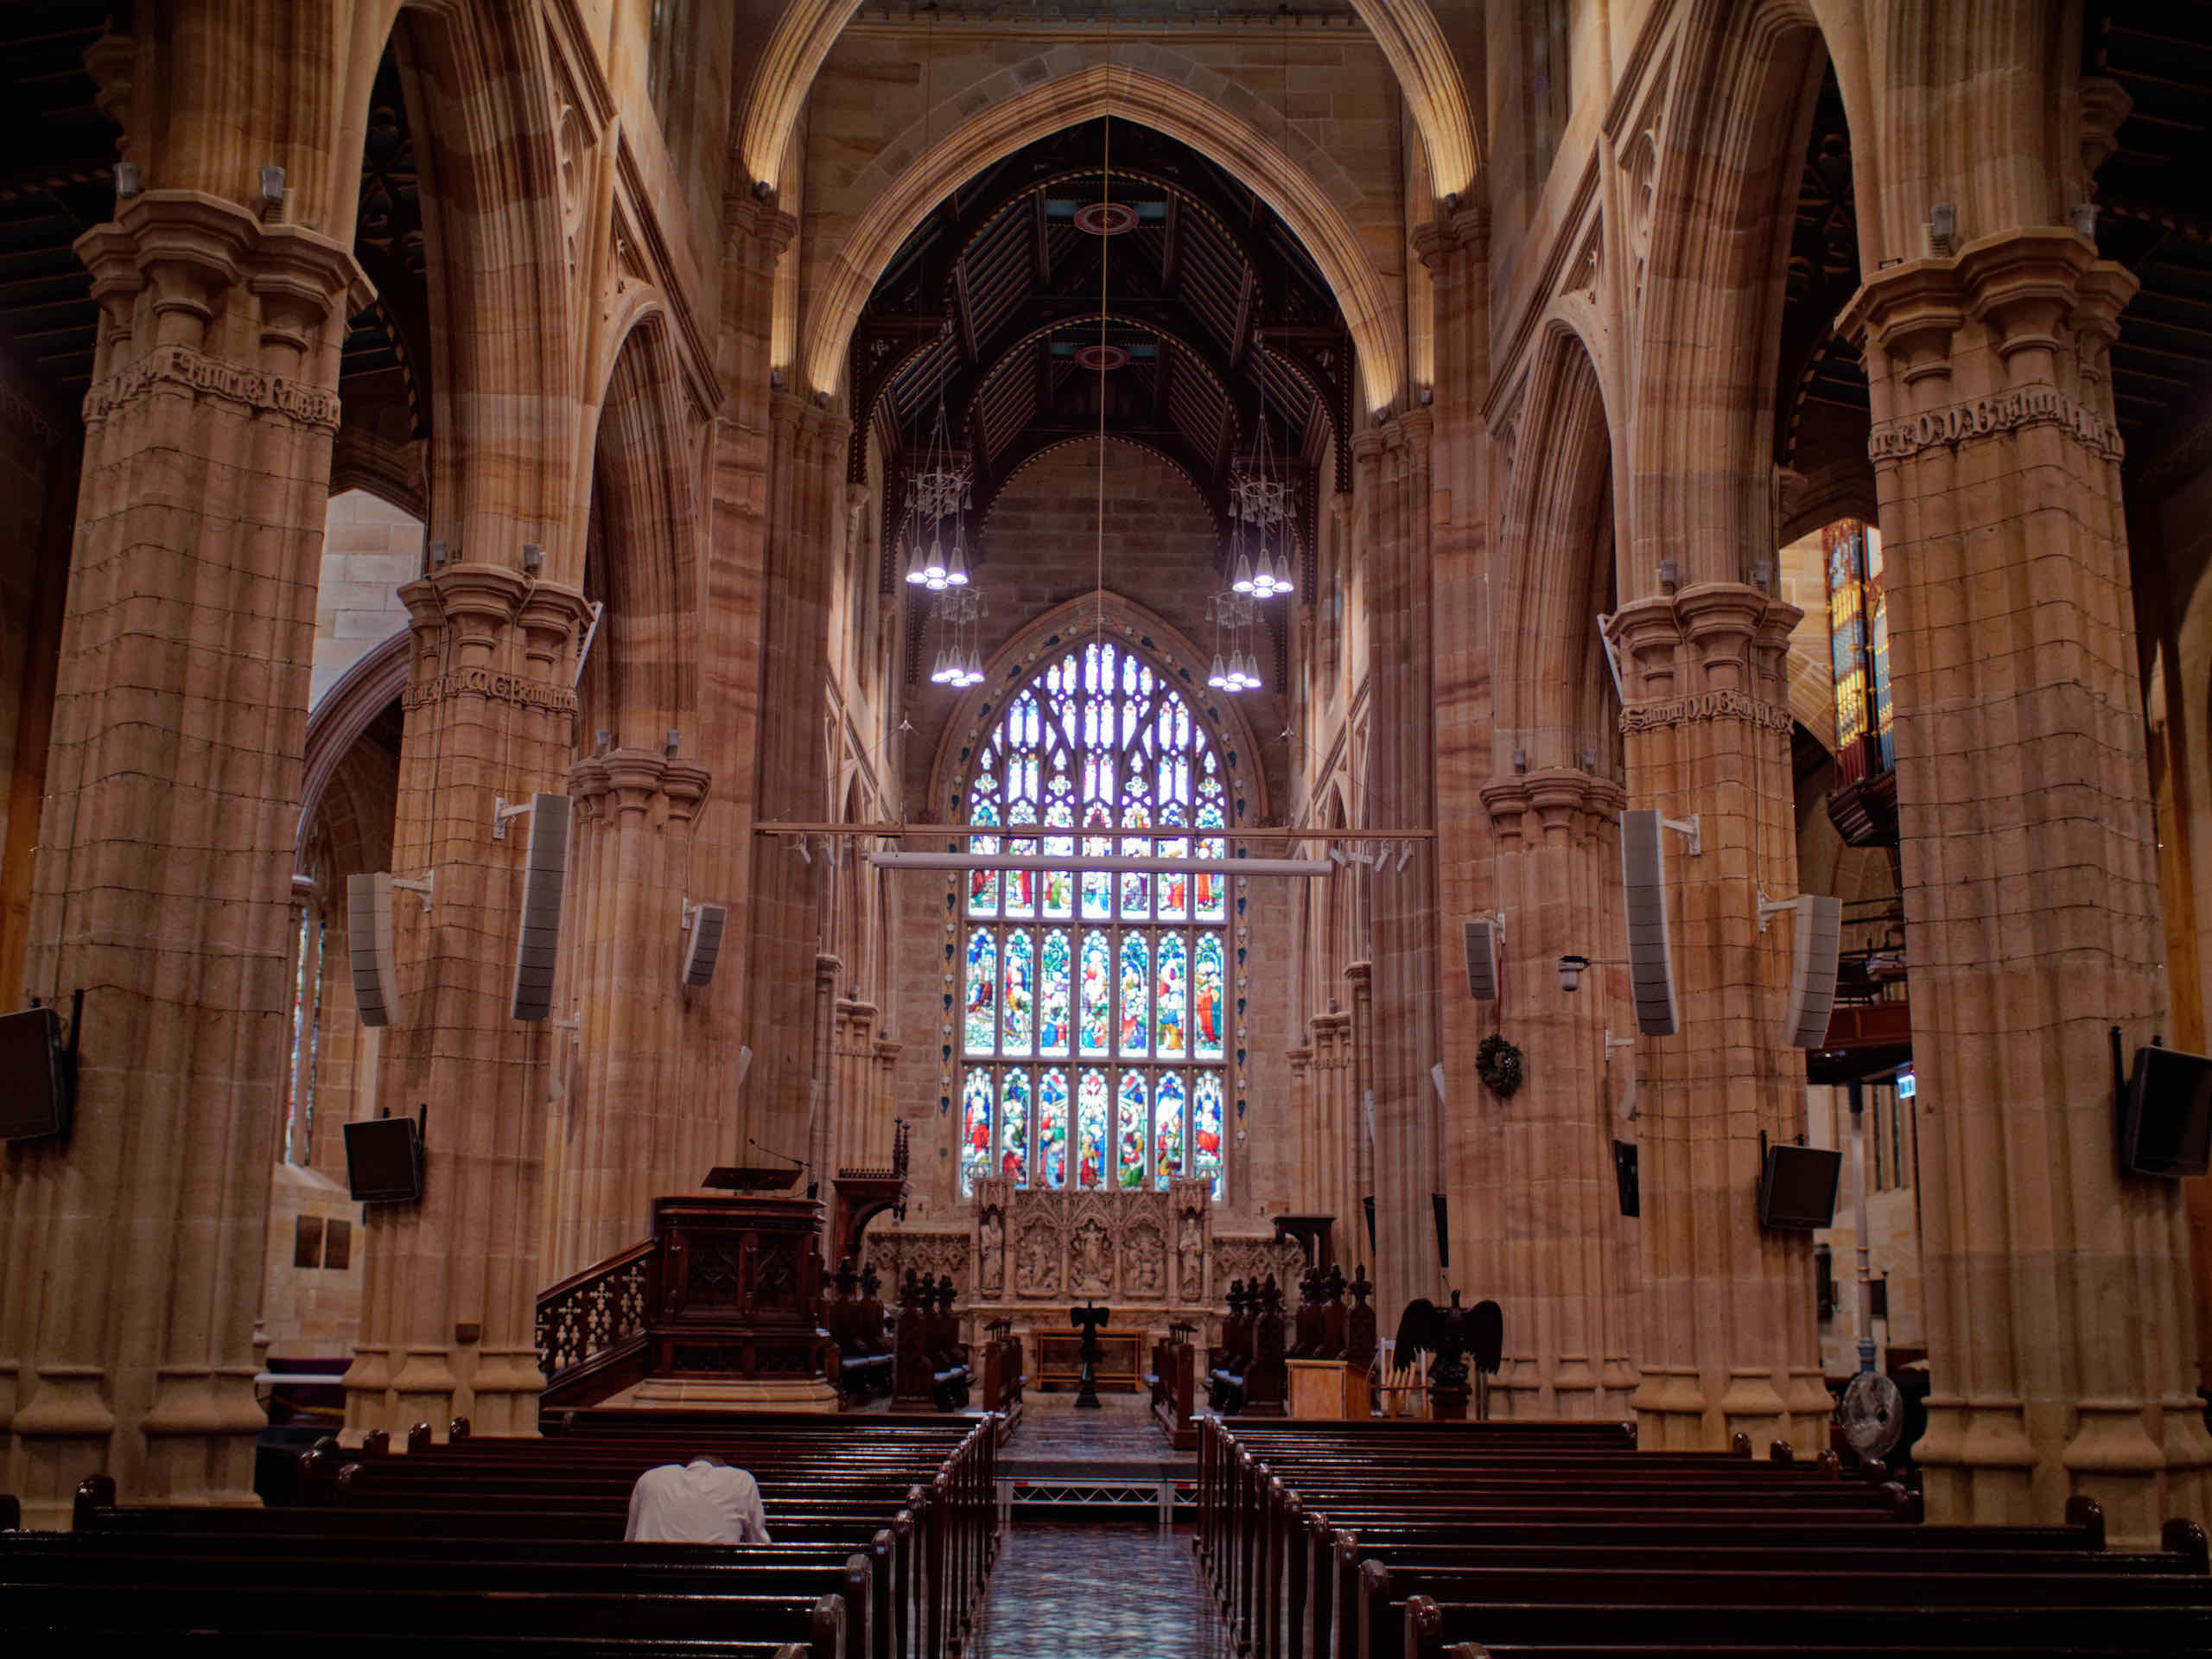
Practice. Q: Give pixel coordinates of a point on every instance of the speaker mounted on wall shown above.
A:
(545, 868)
(1481, 941)
(369, 947)
(1817, 938)
(702, 943)
(1643, 890)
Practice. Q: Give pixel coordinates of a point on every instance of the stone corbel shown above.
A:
(477, 599)
(1506, 800)
(1575, 803)
(1908, 313)
(548, 617)
(633, 779)
(1647, 634)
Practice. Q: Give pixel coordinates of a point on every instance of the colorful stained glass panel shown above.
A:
(1136, 1003)
(1205, 1128)
(1129, 1123)
(1097, 993)
(1206, 1011)
(1013, 1127)
(1053, 1129)
(1167, 1106)
(1172, 1020)
(1091, 1129)
(1055, 991)
(975, 1129)
(982, 1025)
(1021, 1001)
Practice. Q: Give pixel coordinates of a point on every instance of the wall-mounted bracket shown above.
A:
(1687, 827)
(1771, 908)
(1614, 1042)
(420, 886)
(504, 812)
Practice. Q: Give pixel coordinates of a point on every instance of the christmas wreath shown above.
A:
(1497, 1062)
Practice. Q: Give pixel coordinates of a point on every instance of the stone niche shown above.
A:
(1028, 1255)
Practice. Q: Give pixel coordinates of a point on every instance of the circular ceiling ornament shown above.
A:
(1105, 218)
(1099, 358)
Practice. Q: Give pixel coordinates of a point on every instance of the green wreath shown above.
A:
(1497, 1062)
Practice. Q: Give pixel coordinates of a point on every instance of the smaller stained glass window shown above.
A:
(975, 1129)
(1130, 1121)
(1091, 1129)
(1053, 1129)
(1167, 1107)
(1013, 1128)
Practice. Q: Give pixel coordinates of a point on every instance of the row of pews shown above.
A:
(884, 1531)
(1412, 1539)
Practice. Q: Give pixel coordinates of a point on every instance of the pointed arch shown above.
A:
(999, 130)
(640, 476)
(1558, 525)
(1406, 31)
(1724, 185)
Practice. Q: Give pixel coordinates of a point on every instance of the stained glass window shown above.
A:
(1126, 971)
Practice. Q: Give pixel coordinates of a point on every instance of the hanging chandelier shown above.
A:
(1236, 663)
(959, 660)
(1258, 502)
(937, 495)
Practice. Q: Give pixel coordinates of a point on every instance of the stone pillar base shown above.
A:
(731, 1393)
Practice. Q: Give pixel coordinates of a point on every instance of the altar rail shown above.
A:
(591, 1326)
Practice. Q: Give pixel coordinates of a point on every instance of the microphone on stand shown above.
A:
(813, 1186)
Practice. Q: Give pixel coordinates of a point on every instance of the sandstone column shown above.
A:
(1545, 1166)
(792, 781)
(634, 1133)
(2059, 1314)
(448, 1298)
(1455, 247)
(1391, 484)
(133, 1250)
(1728, 1341)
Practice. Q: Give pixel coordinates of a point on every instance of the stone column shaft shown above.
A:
(1728, 1341)
(133, 1250)
(2059, 1318)
(1550, 1195)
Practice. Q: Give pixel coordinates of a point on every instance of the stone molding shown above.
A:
(1989, 416)
(1557, 795)
(519, 689)
(256, 388)
(1661, 713)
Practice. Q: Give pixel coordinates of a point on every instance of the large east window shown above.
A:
(1094, 1031)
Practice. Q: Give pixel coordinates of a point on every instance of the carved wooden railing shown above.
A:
(593, 1322)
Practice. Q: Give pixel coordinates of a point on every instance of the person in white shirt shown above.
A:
(702, 1502)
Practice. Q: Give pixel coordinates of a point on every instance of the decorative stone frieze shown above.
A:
(1991, 416)
(178, 365)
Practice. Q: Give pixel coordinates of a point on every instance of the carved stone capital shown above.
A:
(1909, 313)
(549, 615)
(686, 786)
(479, 599)
(2022, 286)
(1455, 234)
(633, 779)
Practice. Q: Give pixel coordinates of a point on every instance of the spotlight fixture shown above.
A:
(1570, 971)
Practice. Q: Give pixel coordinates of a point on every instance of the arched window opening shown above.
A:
(1094, 1037)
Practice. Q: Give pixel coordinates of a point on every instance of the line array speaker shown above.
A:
(369, 949)
(544, 872)
(1481, 939)
(703, 944)
(1643, 886)
(1812, 970)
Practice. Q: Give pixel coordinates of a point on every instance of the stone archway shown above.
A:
(1084, 95)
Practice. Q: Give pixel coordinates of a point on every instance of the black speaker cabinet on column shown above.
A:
(1644, 889)
(545, 871)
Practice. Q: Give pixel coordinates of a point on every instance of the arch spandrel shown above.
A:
(840, 286)
(1407, 33)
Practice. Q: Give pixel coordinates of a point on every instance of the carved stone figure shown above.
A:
(1190, 1257)
(990, 1250)
(1144, 1259)
(1090, 1256)
(1036, 1259)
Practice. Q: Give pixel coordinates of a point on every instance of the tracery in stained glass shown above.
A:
(1126, 970)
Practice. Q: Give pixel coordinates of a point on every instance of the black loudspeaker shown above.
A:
(545, 874)
(1368, 1204)
(1798, 1187)
(1627, 1177)
(1480, 939)
(702, 943)
(383, 1161)
(1644, 894)
(1443, 1230)
(38, 1076)
(2165, 1125)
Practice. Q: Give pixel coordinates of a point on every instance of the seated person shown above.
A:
(702, 1502)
